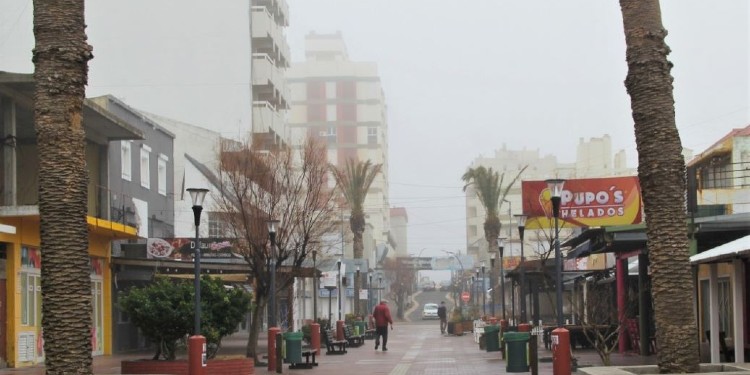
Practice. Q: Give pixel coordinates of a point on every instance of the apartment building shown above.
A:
(341, 102)
(270, 56)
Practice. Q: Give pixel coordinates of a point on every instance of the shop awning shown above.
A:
(725, 252)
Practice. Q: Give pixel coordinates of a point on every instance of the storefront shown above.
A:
(21, 340)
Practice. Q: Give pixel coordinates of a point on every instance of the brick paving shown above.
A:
(413, 348)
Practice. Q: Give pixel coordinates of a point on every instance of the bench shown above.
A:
(353, 340)
(334, 346)
(307, 353)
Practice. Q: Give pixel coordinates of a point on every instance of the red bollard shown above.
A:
(524, 327)
(315, 337)
(196, 355)
(340, 330)
(272, 347)
(561, 352)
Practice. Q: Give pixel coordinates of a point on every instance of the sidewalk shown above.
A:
(413, 348)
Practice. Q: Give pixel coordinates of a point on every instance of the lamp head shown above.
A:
(338, 264)
(272, 225)
(197, 195)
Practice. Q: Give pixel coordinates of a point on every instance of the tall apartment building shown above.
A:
(594, 158)
(341, 102)
(270, 56)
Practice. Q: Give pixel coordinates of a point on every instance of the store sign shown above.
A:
(591, 202)
(184, 248)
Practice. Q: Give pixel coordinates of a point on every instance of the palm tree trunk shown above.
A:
(661, 170)
(60, 58)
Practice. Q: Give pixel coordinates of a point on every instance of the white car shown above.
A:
(430, 311)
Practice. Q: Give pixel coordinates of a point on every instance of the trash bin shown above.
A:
(293, 341)
(492, 338)
(360, 327)
(516, 351)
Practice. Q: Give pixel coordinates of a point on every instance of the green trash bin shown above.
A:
(361, 327)
(516, 351)
(293, 341)
(492, 338)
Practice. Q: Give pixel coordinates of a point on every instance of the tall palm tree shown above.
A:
(354, 181)
(488, 185)
(61, 56)
(661, 170)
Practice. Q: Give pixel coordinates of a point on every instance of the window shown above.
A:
(162, 170)
(331, 112)
(331, 134)
(145, 163)
(31, 298)
(217, 226)
(126, 159)
(372, 135)
(330, 90)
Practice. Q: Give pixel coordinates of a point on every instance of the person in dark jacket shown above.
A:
(443, 315)
(382, 316)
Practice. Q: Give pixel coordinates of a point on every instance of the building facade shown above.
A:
(341, 102)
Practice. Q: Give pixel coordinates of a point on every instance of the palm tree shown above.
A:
(61, 57)
(661, 170)
(488, 185)
(354, 181)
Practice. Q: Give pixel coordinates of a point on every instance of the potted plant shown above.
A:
(455, 326)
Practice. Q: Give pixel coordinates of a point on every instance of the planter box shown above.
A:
(455, 328)
(218, 366)
(468, 326)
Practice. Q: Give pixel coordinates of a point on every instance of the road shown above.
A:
(414, 314)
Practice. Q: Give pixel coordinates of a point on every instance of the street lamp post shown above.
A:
(492, 284)
(476, 288)
(556, 186)
(473, 289)
(197, 342)
(369, 292)
(380, 282)
(500, 248)
(315, 285)
(338, 265)
(484, 294)
(521, 220)
(357, 281)
(272, 224)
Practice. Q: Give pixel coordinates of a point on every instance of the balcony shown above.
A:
(718, 183)
(268, 35)
(268, 81)
(266, 119)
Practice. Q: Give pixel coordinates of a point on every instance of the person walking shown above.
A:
(382, 316)
(443, 315)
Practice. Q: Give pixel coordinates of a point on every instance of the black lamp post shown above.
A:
(555, 187)
(197, 196)
(315, 285)
(476, 287)
(500, 248)
(521, 220)
(272, 224)
(357, 282)
(338, 265)
(484, 294)
(473, 290)
(369, 292)
(492, 284)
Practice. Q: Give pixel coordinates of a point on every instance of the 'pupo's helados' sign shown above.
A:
(591, 202)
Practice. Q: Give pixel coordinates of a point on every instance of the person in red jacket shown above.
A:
(382, 316)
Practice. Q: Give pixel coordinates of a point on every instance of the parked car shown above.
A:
(430, 311)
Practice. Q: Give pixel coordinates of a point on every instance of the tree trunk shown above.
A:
(255, 322)
(661, 170)
(60, 58)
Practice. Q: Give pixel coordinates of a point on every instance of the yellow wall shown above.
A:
(101, 233)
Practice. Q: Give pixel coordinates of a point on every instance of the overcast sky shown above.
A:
(460, 78)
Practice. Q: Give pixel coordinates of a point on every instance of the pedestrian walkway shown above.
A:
(413, 348)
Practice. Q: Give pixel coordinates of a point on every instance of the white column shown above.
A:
(738, 290)
(713, 286)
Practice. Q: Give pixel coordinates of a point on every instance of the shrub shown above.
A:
(164, 312)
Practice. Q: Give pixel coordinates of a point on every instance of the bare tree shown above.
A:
(401, 279)
(283, 185)
(600, 323)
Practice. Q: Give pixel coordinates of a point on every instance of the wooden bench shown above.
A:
(307, 353)
(334, 346)
(353, 340)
